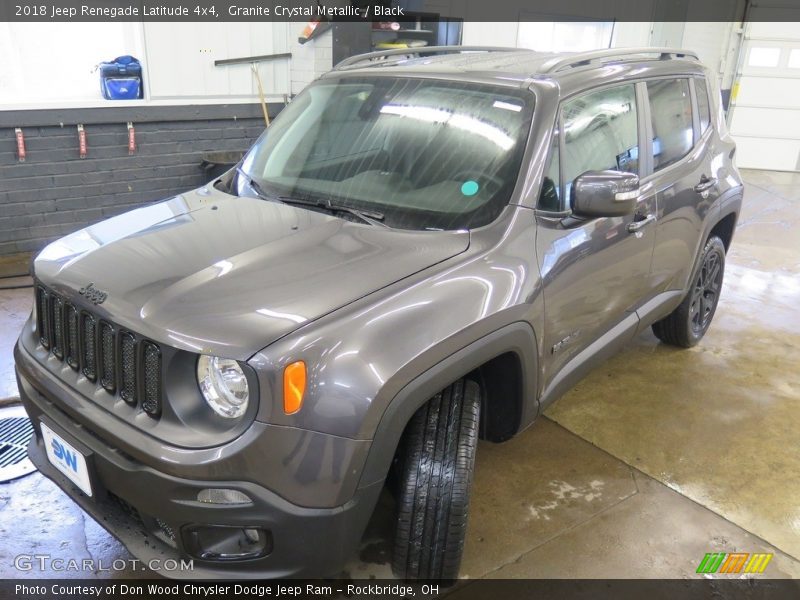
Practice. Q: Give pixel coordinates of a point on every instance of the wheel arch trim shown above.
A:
(518, 338)
(730, 202)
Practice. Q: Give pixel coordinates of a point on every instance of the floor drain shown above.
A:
(15, 433)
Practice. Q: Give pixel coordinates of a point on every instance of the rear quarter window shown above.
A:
(703, 104)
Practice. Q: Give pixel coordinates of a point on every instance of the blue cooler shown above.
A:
(121, 78)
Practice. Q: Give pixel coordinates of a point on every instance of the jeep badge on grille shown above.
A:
(92, 294)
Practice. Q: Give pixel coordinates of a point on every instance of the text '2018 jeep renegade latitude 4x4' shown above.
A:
(419, 252)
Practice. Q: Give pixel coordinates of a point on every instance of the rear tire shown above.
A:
(687, 324)
(437, 461)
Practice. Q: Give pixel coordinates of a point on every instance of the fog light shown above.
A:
(222, 496)
(227, 543)
(252, 535)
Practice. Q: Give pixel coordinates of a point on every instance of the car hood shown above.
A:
(227, 275)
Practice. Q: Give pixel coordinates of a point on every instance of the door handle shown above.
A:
(637, 225)
(706, 183)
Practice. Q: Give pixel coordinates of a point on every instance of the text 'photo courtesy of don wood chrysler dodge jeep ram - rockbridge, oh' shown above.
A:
(419, 252)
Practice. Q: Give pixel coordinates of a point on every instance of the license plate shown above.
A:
(64, 457)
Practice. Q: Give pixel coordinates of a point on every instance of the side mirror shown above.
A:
(604, 194)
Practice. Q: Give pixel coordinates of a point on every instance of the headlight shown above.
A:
(224, 385)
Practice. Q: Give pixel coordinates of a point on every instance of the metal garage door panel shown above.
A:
(756, 91)
(766, 122)
(787, 30)
(765, 112)
(767, 153)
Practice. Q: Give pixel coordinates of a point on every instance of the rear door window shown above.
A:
(671, 113)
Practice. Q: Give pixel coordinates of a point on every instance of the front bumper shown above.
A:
(150, 511)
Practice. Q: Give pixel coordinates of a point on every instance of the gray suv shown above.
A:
(421, 251)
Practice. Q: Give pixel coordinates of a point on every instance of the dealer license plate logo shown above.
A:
(64, 457)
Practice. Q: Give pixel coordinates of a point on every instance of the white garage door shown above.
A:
(765, 118)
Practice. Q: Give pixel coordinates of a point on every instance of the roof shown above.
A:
(506, 64)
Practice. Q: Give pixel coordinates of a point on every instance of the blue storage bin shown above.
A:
(122, 88)
(121, 78)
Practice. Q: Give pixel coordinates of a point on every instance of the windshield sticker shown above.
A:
(470, 188)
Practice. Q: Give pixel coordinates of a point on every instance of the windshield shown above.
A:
(424, 154)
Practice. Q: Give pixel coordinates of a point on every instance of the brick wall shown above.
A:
(55, 192)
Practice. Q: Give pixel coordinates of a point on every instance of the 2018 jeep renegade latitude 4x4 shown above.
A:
(417, 253)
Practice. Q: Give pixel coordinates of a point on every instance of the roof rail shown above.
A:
(579, 59)
(370, 56)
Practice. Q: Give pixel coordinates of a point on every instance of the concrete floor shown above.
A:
(658, 457)
(719, 422)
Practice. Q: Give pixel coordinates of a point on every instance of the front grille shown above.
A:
(127, 351)
(107, 362)
(167, 531)
(72, 350)
(127, 509)
(43, 316)
(152, 379)
(118, 360)
(58, 326)
(135, 519)
(89, 347)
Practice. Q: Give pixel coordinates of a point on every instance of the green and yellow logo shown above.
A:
(733, 562)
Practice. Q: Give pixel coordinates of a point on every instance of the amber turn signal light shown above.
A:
(294, 386)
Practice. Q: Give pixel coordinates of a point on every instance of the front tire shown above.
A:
(438, 458)
(687, 324)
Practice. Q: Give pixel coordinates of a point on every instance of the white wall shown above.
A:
(179, 60)
(309, 60)
(48, 62)
(48, 65)
(565, 36)
(710, 41)
(633, 34)
(716, 42)
(489, 34)
(508, 34)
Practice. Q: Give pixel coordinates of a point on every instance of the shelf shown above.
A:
(426, 31)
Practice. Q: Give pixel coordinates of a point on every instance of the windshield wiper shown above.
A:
(255, 186)
(368, 216)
